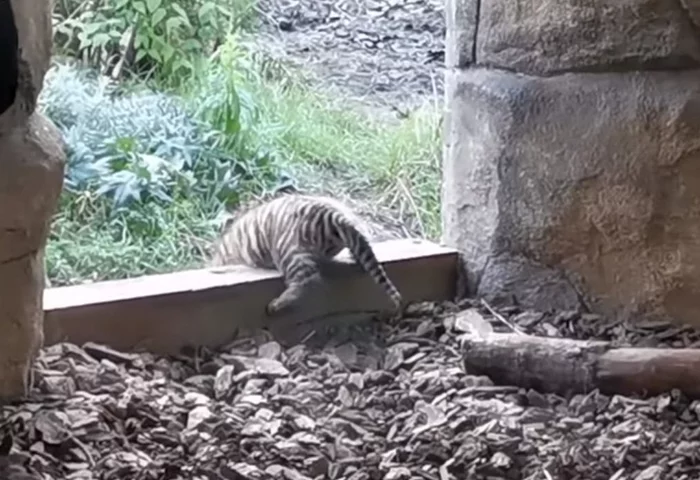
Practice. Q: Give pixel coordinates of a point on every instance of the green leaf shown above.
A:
(158, 16)
(181, 62)
(191, 44)
(100, 39)
(84, 41)
(91, 28)
(205, 9)
(153, 5)
(140, 7)
(155, 54)
(171, 24)
(167, 52)
(180, 11)
(226, 13)
(142, 41)
(157, 41)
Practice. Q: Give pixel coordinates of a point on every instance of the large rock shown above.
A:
(577, 189)
(550, 36)
(31, 178)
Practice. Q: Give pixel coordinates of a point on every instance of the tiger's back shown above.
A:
(292, 234)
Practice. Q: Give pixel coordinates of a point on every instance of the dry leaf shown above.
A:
(472, 322)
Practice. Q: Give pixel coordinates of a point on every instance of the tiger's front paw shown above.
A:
(277, 307)
(271, 309)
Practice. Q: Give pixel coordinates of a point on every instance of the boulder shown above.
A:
(31, 178)
(577, 190)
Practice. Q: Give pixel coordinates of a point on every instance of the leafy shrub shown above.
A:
(227, 97)
(147, 146)
(146, 177)
(163, 37)
(148, 173)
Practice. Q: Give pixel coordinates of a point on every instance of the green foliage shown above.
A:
(149, 174)
(322, 134)
(90, 242)
(142, 170)
(162, 38)
(397, 163)
(225, 96)
(149, 146)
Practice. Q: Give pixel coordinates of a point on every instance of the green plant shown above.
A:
(90, 241)
(146, 179)
(149, 174)
(319, 137)
(146, 145)
(162, 39)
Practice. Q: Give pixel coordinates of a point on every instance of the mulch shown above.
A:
(394, 404)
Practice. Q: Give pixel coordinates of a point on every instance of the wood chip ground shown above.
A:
(366, 402)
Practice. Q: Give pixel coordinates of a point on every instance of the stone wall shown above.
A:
(572, 153)
(31, 177)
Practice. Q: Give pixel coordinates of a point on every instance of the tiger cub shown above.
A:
(294, 233)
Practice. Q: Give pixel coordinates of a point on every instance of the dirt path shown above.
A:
(384, 53)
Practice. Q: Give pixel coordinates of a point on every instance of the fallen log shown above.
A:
(565, 366)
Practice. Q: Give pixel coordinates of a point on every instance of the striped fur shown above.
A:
(293, 234)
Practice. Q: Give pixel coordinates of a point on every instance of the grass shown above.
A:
(262, 130)
(88, 243)
(398, 161)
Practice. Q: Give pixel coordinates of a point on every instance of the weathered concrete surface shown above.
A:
(31, 177)
(577, 187)
(548, 36)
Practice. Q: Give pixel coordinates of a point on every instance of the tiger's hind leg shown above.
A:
(301, 273)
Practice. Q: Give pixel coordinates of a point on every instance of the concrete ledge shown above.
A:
(163, 313)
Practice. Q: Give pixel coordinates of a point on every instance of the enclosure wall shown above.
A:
(572, 153)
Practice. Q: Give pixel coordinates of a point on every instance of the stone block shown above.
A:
(32, 162)
(460, 38)
(577, 189)
(550, 36)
